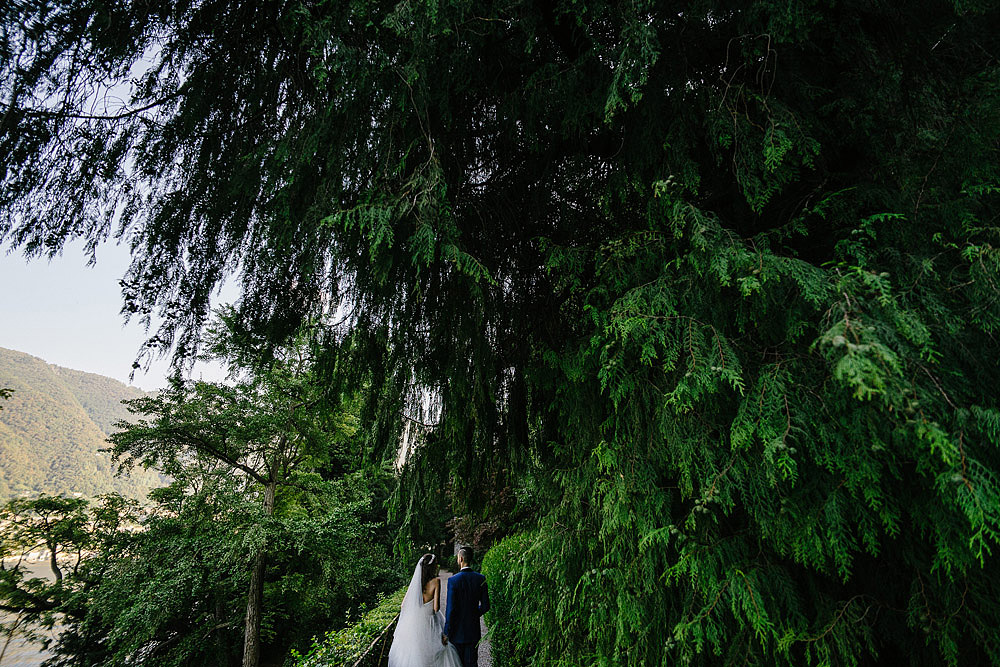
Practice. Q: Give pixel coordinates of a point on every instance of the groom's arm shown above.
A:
(448, 609)
(484, 599)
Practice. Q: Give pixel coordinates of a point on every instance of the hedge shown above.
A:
(501, 566)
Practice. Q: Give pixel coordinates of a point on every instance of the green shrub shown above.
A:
(344, 647)
(511, 642)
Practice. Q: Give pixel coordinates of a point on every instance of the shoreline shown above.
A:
(32, 557)
(43, 558)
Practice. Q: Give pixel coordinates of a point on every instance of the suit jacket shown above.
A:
(468, 599)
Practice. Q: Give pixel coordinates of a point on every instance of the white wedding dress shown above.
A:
(417, 640)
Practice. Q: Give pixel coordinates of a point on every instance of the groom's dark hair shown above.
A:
(465, 553)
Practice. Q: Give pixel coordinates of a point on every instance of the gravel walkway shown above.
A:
(485, 653)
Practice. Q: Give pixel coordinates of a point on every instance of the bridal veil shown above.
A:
(417, 640)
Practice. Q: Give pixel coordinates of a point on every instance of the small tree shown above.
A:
(52, 524)
(69, 529)
(260, 431)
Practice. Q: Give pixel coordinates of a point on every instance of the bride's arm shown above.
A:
(437, 595)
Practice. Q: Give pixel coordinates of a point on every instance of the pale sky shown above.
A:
(67, 314)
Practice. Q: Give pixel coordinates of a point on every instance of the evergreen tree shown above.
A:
(713, 288)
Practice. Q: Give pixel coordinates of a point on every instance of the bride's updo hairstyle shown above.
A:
(429, 567)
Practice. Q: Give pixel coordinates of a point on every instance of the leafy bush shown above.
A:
(511, 642)
(344, 647)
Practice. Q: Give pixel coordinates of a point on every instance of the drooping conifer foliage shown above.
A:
(712, 288)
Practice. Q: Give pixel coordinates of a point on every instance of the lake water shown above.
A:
(20, 653)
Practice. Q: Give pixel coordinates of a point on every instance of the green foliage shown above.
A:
(178, 592)
(169, 582)
(711, 292)
(55, 423)
(269, 488)
(272, 467)
(66, 531)
(345, 646)
(511, 643)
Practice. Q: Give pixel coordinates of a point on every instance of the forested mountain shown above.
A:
(52, 427)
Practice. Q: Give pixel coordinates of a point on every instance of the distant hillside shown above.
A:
(52, 427)
(101, 397)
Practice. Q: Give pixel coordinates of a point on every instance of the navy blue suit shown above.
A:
(468, 599)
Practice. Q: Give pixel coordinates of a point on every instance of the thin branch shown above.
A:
(119, 116)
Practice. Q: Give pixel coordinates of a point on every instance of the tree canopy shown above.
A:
(710, 290)
(269, 531)
(267, 431)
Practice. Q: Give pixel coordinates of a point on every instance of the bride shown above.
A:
(418, 638)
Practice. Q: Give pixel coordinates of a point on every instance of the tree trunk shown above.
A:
(54, 563)
(251, 636)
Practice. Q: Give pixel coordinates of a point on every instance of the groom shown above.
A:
(467, 601)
